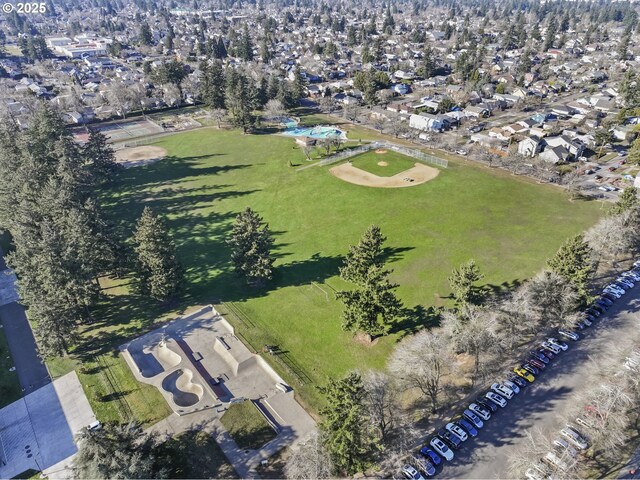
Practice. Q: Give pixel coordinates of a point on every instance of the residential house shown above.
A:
(426, 122)
(530, 147)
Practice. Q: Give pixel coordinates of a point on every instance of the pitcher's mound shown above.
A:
(137, 156)
(382, 164)
(416, 175)
(381, 151)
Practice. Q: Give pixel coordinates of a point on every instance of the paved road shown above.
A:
(541, 404)
(31, 370)
(632, 468)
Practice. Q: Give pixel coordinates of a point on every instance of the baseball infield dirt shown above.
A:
(136, 156)
(416, 175)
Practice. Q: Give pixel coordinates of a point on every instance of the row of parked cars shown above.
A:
(570, 442)
(469, 422)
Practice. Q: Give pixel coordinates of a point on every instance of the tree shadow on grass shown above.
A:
(415, 319)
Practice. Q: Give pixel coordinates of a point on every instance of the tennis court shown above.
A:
(122, 130)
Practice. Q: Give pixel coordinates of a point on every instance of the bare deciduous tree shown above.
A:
(309, 459)
(219, 114)
(614, 235)
(420, 362)
(381, 402)
(274, 108)
(553, 299)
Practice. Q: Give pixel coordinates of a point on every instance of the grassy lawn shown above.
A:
(115, 394)
(395, 163)
(508, 224)
(195, 454)
(10, 389)
(247, 426)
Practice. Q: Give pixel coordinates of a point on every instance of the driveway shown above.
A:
(541, 404)
(31, 370)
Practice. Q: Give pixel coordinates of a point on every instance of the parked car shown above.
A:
(573, 437)
(604, 301)
(473, 418)
(424, 466)
(547, 353)
(481, 411)
(633, 275)
(449, 438)
(587, 320)
(442, 448)
(502, 390)
(597, 307)
(539, 356)
(579, 325)
(411, 473)
(613, 295)
(524, 374)
(593, 311)
(558, 460)
(431, 455)
(521, 382)
(511, 386)
(457, 431)
(497, 399)
(569, 334)
(564, 446)
(625, 281)
(551, 347)
(561, 345)
(530, 368)
(467, 426)
(537, 363)
(483, 402)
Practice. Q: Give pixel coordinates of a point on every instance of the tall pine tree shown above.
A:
(251, 244)
(160, 274)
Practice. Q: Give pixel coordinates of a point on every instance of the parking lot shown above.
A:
(541, 405)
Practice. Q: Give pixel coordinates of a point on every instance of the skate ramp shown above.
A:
(185, 392)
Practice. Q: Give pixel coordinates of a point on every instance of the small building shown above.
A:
(530, 147)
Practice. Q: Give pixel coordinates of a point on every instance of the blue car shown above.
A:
(466, 425)
(431, 455)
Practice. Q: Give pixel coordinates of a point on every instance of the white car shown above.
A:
(511, 386)
(497, 399)
(442, 449)
(569, 334)
(554, 459)
(479, 411)
(616, 288)
(502, 390)
(586, 321)
(411, 473)
(537, 472)
(561, 345)
(573, 437)
(635, 276)
(612, 292)
(551, 346)
(626, 281)
(457, 431)
(564, 446)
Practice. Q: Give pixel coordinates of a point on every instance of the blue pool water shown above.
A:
(314, 132)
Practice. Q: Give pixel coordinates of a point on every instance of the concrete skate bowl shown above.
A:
(167, 357)
(147, 363)
(179, 384)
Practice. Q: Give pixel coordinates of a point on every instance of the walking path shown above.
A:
(31, 370)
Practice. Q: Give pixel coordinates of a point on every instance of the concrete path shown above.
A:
(31, 370)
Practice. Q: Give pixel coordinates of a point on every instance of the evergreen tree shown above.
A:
(145, 37)
(574, 262)
(627, 201)
(101, 157)
(118, 451)
(550, 36)
(265, 51)
(172, 72)
(366, 254)
(239, 99)
(297, 90)
(245, 46)
(634, 153)
(346, 433)
(159, 272)
(251, 244)
(462, 280)
(428, 62)
(372, 306)
(212, 87)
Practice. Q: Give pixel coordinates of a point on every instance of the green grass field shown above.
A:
(247, 426)
(10, 389)
(509, 225)
(395, 163)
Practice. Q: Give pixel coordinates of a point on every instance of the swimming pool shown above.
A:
(314, 132)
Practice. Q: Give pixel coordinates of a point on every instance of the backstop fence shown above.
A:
(352, 152)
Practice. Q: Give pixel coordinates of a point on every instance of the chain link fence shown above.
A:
(352, 152)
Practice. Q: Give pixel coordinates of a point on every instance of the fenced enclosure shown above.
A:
(352, 152)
